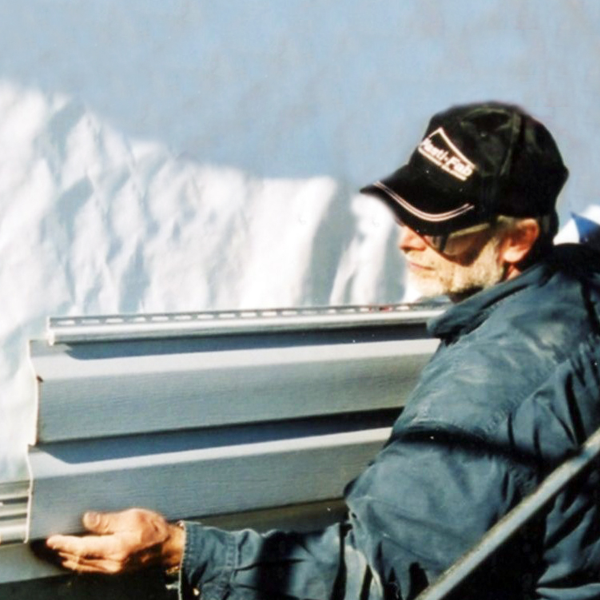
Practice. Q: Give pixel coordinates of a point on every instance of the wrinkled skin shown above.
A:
(120, 542)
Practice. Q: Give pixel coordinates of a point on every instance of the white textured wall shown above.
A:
(189, 155)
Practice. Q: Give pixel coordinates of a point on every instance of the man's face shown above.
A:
(477, 264)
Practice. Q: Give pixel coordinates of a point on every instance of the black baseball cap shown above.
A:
(475, 162)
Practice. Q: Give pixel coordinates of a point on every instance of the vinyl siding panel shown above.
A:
(90, 398)
(210, 423)
(208, 481)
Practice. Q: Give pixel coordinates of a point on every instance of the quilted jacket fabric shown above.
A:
(513, 390)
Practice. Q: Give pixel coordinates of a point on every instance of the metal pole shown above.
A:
(502, 531)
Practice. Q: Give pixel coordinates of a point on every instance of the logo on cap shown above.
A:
(439, 149)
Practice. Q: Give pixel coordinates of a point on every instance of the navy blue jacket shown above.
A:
(512, 391)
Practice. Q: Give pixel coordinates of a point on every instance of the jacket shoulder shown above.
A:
(477, 379)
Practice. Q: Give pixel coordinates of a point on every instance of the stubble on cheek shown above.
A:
(440, 276)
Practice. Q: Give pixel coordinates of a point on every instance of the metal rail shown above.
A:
(190, 324)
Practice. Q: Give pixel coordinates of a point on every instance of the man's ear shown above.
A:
(518, 241)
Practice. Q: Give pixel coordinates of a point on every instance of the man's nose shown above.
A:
(410, 240)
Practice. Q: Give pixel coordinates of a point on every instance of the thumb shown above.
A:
(101, 523)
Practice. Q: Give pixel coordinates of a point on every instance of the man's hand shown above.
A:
(123, 542)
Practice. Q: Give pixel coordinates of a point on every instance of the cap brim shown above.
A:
(422, 206)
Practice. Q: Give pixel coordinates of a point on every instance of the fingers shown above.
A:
(90, 565)
(81, 568)
(88, 546)
(120, 542)
(91, 554)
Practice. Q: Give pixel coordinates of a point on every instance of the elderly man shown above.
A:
(512, 391)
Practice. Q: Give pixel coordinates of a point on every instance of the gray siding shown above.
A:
(212, 423)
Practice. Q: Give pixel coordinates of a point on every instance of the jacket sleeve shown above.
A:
(424, 501)
(427, 498)
(248, 565)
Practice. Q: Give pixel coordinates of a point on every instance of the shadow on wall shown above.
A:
(360, 263)
(271, 92)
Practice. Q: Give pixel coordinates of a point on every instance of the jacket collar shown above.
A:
(575, 260)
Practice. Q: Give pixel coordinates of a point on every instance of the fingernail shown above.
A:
(91, 518)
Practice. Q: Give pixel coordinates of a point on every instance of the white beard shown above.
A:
(446, 277)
